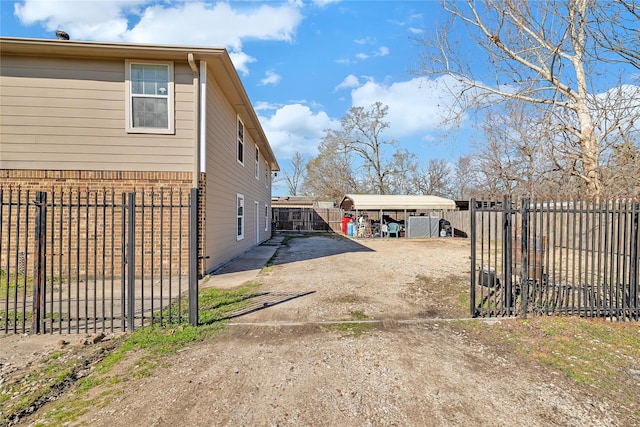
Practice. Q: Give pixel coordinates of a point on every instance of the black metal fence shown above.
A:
(307, 219)
(548, 257)
(88, 261)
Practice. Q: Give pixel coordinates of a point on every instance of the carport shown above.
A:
(419, 215)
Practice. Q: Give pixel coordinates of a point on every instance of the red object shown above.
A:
(345, 221)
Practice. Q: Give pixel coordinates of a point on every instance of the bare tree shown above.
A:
(360, 134)
(295, 178)
(615, 28)
(542, 53)
(464, 180)
(436, 180)
(514, 150)
(403, 170)
(329, 175)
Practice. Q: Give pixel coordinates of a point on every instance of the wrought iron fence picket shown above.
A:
(576, 258)
(90, 241)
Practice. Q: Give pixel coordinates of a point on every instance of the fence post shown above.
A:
(193, 257)
(635, 257)
(507, 252)
(131, 257)
(472, 291)
(37, 325)
(524, 258)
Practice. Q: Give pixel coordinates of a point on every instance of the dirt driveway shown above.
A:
(301, 363)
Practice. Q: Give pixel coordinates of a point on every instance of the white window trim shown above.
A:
(266, 217)
(170, 101)
(257, 163)
(266, 174)
(244, 130)
(240, 201)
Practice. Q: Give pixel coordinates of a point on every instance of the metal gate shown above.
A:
(549, 257)
(86, 261)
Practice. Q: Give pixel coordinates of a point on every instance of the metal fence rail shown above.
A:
(548, 257)
(88, 261)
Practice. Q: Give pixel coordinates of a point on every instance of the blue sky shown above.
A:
(303, 63)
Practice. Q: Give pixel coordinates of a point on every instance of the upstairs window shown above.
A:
(149, 97)
(240, 142)
(257, 163)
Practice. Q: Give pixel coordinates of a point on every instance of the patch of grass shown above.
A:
(18, 316)
(347, 299)
(143, 368)
(35, 388)
(464, 300)
(351, 328)
(591, 352)
(87, 383)
(216, 304)
(151, 344)
(13, 282)
(358, 315)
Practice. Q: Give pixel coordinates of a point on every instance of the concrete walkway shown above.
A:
(244, 268)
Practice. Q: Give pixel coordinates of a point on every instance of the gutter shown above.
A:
(195, 176)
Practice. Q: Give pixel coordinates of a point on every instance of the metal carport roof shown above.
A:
(365, 202)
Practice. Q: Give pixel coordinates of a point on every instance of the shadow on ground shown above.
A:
(261, 300)
(306, 247)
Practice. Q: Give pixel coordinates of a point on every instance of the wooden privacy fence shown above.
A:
(80, 261)
(549, 257)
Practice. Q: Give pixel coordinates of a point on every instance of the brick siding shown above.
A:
(84, 222)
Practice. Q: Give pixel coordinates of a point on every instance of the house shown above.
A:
(131, 116)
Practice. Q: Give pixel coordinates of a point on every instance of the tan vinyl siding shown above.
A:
(70, 114)
(225, 179)
(63, 123)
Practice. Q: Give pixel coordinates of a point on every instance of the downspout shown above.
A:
(195, 180)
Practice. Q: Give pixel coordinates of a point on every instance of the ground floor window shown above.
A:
(240, 210)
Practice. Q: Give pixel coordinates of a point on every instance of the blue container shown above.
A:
(350, 229)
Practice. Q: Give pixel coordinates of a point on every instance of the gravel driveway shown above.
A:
(345, 333)
(302, 363)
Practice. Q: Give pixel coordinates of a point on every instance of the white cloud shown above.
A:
(382, 51)
(415, 106)
(366, 40)
(270, 78)
(413, 30)
(344, 61)
(263, 105)
(241, 61)
(197, 23)
(295, 127)
(101, 20)
(348, 82)
(177, 23)
(323, 3)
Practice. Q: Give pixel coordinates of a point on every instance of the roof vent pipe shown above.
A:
(61, 35)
